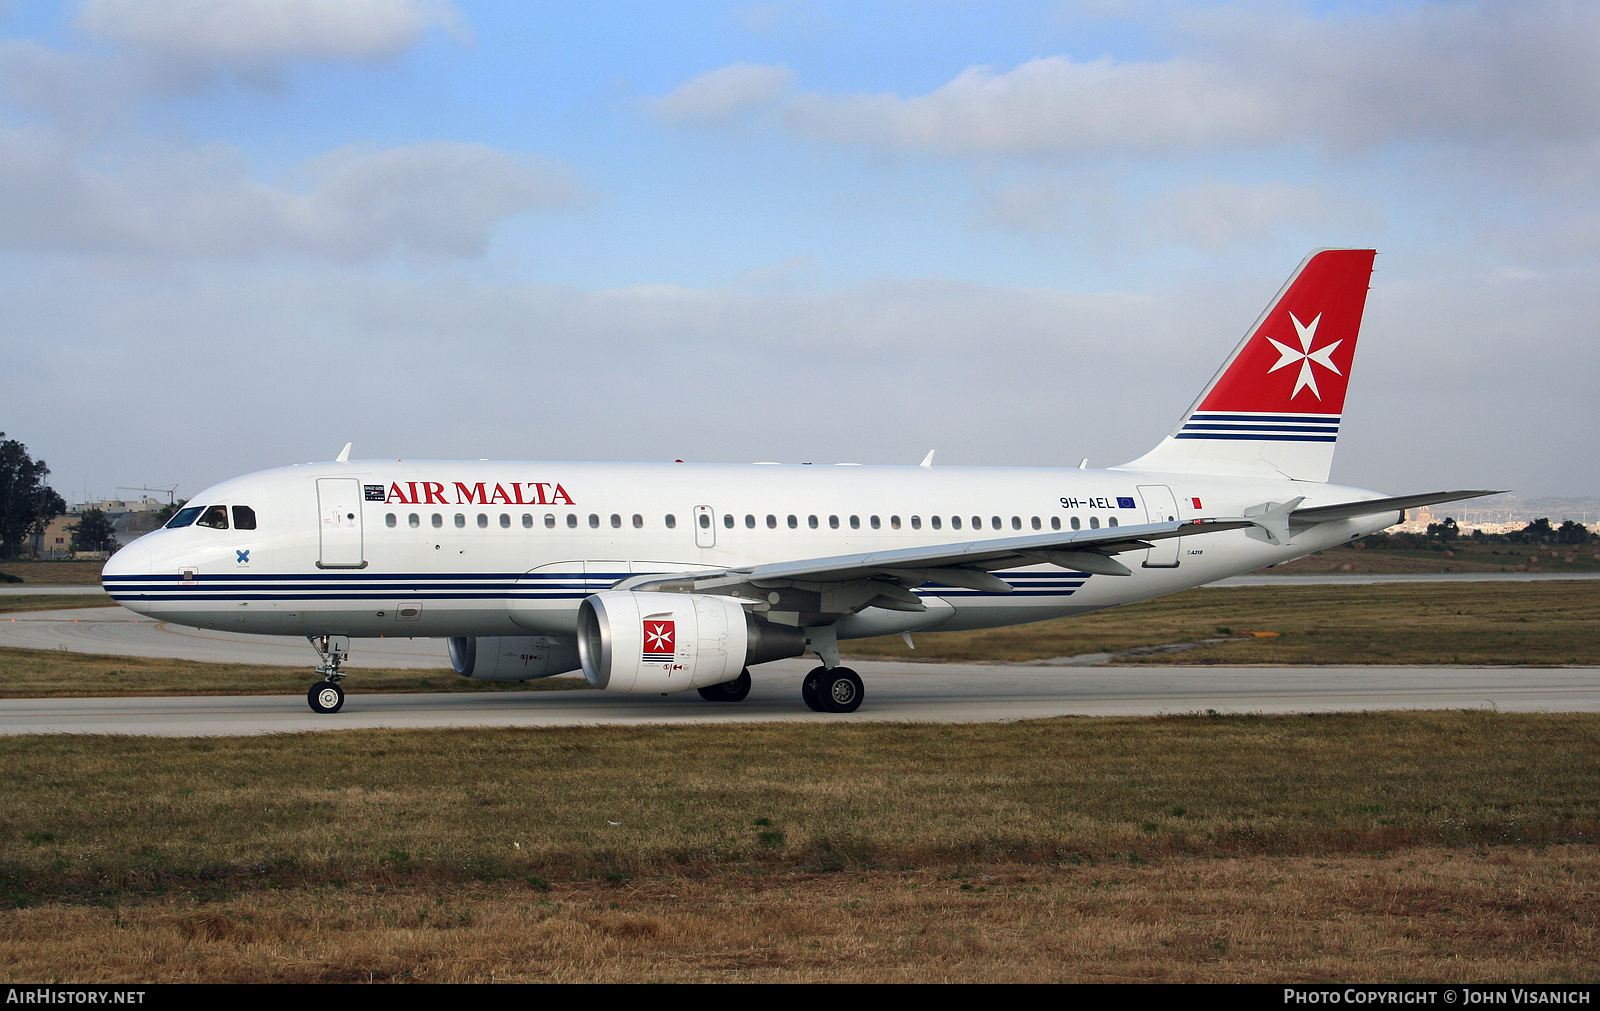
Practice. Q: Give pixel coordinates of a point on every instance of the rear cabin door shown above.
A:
(339, 504)
(1160, 507)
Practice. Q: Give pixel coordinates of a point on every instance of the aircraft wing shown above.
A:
(1371, 507)
(839, 584)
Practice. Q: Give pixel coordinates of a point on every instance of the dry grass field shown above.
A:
(1472, 623)
(18, 603)
(1428, 846)
(64, 573)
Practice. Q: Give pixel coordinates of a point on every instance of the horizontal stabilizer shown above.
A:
(1371, 507)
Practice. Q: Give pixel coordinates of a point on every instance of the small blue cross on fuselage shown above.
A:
(244, 556)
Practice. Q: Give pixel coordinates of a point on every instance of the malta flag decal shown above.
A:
(660, 635)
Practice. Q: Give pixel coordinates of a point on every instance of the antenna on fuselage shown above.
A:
(927, 461)
(1083, 464)
(344, 454)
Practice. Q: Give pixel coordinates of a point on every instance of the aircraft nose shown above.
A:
(133, 560)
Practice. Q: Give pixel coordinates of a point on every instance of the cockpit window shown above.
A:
(215, 517)
(244, 518)
(184, 517)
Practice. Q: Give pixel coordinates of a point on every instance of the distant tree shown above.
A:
(93, 532)
(27, 504)
(1447, 531)
(1572, 533)
(1537, 532)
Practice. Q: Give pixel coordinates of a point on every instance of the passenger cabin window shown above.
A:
(438, 520)
(414, 520)
(877, 524)
(572, 521)
(215, 517)
(727, 520)
(184, 517)
(916, 522)
(833, 522)
(811, 521)
(672, 522)
(461, 520)
(549, 521)
(1016, 523)
(594, 521)
(955, 523)
(937, 521)
(794, 522)
(483, 521)
(1055, 523)
(505, 521)
(977, 522)
(894, 521)
(244, 518)
(749, 521)
(855, 523)
(1094, 523)
(1076, 523)
(638, 522)
(1112, 521)
(390, 520)
(527, 521)
(1036, 523)
(616, 521)
(772, 522)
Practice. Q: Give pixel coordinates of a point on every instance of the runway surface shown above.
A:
(896, 690)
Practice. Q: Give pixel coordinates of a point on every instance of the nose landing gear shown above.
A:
(326, 696)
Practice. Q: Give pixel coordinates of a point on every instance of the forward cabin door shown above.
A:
(339, 505)
(1160, 507)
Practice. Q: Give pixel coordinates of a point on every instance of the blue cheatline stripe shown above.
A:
(1256, 437)
(370, 577)
(1044, 585)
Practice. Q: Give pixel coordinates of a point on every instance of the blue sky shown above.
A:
(239, 233)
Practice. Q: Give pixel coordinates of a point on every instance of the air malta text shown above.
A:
(542, 493)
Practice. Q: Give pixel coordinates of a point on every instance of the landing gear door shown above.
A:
(705, 527)
(1160, 507)
(339, 506)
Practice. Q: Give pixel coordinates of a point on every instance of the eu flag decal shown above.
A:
(1124, 502)
(659, 634)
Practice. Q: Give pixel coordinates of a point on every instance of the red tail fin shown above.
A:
(1275, 406)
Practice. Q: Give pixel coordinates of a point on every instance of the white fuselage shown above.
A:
(481, 548)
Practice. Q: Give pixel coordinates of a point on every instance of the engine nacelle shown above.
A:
(512, 657)
(670, 642)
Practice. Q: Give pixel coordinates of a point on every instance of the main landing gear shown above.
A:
(832, 690)
(728, 691)
(326, 696)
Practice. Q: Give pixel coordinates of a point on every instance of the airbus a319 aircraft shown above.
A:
(656, 578)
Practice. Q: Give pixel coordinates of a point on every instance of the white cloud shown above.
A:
(1460, 73)
(1218, 213)
(436, 199)
(723, 95)
(250, 34)
(1049, 106)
